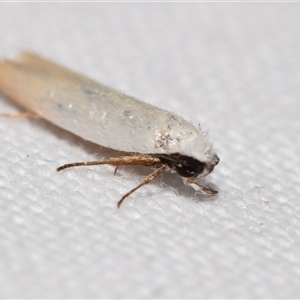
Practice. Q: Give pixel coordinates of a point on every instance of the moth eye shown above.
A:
(185, 171)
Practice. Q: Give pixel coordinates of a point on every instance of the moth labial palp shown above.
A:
(150, 136)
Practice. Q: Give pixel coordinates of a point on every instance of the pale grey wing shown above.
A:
(92, 110)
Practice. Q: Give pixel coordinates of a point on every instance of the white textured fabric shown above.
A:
(234, 68)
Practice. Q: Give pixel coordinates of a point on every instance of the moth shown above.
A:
(147, 135)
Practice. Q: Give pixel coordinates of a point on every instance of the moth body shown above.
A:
(109, 118)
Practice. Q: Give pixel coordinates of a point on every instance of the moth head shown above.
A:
(189, 167)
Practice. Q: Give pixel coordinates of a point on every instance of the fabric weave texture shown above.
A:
(233, 68)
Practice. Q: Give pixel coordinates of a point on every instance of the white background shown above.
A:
(232, 67)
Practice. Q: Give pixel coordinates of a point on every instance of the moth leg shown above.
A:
(145, 160)
(146, 180)
(116, 169)
(30, 115)
(199, 188)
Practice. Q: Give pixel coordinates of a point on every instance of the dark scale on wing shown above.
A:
(127, 113)
(59, 105)
(172, 118)
(65, 108)
(90, 91)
